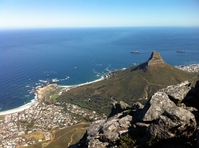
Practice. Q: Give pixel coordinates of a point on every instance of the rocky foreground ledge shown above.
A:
(170, 118)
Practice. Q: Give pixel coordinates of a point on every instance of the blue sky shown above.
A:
(97, 13)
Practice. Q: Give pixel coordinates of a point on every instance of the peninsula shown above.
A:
(136, 83)
(61, 107)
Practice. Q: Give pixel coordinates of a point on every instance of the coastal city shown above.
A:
(189, 68)
(18, 129)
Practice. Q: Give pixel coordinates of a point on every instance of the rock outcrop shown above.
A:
(162, 121)
(177, 92)
(104, 133)
(118, 107)
(166, 119)
(155, 59)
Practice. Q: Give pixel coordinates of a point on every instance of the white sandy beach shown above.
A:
(19, 109)
(73, 86)
(28, 105)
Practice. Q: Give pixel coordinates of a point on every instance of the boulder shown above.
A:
(95, 128)
(115, 127)
(157, 105)
(177, 92)
(90, 137)
(166, 119)
(192, 98)
(137, 106)
(118, 107)
(103, 133)
(173, 123)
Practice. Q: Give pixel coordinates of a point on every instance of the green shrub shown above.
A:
(1, 117)
(150, 143)
(126, 142)
(54, 97)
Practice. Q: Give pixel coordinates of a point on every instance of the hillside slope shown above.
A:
(137, 83)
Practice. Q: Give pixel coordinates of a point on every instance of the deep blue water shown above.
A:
(79, 55)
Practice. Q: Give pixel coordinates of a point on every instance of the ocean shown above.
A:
(69, 56)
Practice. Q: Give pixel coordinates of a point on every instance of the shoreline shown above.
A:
(189, 68)
(86, 83)
(35, 100)
(20, 108)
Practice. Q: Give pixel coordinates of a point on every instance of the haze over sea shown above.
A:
(30, 57)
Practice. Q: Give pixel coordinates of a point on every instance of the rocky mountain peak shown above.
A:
(155, 59)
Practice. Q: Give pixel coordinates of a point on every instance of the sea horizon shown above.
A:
(95, 27)
(30, 58)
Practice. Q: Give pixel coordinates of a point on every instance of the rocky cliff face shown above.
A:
(155, 59)
(169, 119)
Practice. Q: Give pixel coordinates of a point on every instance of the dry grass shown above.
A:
(62, 137)
(68, 136)
(36, 136)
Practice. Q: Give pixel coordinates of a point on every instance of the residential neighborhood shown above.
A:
(189, 68)
(18, 129)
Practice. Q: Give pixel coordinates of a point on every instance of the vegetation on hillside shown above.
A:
(68, 136)
(130, 85)
(61, 138)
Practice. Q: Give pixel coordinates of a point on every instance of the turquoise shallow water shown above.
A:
(30, 57)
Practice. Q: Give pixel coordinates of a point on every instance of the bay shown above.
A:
(28, 57)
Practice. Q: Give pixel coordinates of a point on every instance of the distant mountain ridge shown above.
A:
(136, 83)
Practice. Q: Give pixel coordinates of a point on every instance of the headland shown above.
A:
(47, 114)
